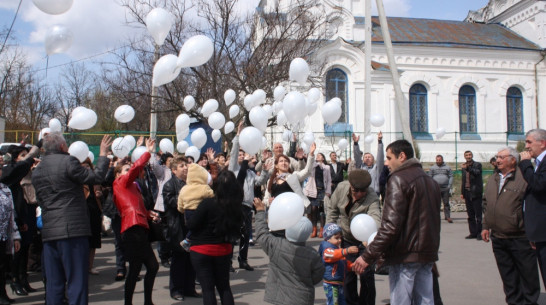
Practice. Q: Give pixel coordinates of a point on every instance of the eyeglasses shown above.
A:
(357, 190)
(502, 157)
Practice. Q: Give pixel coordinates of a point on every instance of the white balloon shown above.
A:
(248, 102)
(372, 237)
(182, 146)
(159, 23)
(377, 120)
(129, 142)
(368, 139)
(268, 110)
(258, 118)
(43, 132)
(229, 96)
(55, 125)
(305, 147)
(193, 152)
(91, 156)
(182, 122)
(281, 118)
(264, 142)
(82, 118)
(286, 135)
(137, 153)
(216, 135)
(311, 107)
(277, 106)
(342, 144)
(199, 138)
(166, 145)
(233, 111)
(181, 135)
(189, 102)
(196, 51)
(293, 104)
(331, 112)
(124, 113)
(279, 93)
(119, 149)
(250, 140)
(337, 100)
(216, 120)
(362, 227)
(440, 132)
(299, 71)
(309, 138)
(228, 128)
(209, 107)
(259, 97)
(314, 95)
(285, 211)
(165, 70)
(53, 7)
(79, 149)
(58, 39)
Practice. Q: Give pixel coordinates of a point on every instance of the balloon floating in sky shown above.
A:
(79, 149)
(196, 51)
(165, 70)
(53, 7)
(58, 39)
(299, 71)
(159, 23)
(124, 113)
(166, 145)
(377, 120)
(250, 140)
(55, 125)
(82, 118)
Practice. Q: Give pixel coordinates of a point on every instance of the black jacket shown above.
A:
(535, 199)
(337, 175)
(176, 227)
(476, 182)
(59, 181)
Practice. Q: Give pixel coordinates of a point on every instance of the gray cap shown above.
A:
(299, 232)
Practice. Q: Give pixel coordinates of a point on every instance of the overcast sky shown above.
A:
(98, 25)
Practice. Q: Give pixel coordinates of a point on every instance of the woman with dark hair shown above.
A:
(93, 197)
(134, 225)
(318, 186)
(12, 174)
(215, 225)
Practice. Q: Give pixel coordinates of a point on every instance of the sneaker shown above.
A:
(251, 242)
(185, 244)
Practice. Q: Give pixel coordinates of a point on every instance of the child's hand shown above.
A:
(352, 249)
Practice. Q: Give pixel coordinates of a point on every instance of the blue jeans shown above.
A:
(411, 283)
(334, 294)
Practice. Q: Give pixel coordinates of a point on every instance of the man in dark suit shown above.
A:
(336, 170)
(472, 188)
(535, 197)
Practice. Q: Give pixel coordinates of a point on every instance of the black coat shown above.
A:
(337, 176)
(535, 199)
(476, 182)
(176, 228)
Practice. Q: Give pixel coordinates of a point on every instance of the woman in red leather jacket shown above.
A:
(134, 225)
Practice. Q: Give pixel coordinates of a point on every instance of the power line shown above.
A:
(11, 26)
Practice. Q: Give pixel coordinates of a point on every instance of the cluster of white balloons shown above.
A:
(82, 118)
(363, 227)
(59, 37)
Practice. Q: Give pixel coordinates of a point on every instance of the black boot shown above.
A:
(17, 288)
(26, 286)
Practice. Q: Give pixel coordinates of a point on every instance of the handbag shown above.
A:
(156, 231)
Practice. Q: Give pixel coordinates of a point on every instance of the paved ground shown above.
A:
(468, 275)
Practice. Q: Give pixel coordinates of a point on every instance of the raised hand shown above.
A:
(104, 144)
(356, 138)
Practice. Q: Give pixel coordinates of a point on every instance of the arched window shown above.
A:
(467, 109)
(336, 86)
(418, 109)
(514, 110)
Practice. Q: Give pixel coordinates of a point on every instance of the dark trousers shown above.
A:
(517, 265)
(181, 274)
(3, 262)
(138, 252)
(66, 261)
(120, 258)
(474, 211)
(367, 281)
(19, 266)
(541, 256)
(246, 229)
(213, 271)
(445, 200)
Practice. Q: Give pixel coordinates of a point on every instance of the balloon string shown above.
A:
(47, 65)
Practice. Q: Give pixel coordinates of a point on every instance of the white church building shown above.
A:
(481, 79)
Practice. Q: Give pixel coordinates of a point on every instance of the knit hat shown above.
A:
(330, 229)
(299, 232)
(360, 179)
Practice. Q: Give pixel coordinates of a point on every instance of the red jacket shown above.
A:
(128, 198)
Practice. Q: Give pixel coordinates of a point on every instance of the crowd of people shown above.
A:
(199, 210)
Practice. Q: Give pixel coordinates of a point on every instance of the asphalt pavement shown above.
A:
(468, 275)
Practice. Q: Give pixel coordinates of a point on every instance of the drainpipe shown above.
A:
(543, 54)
